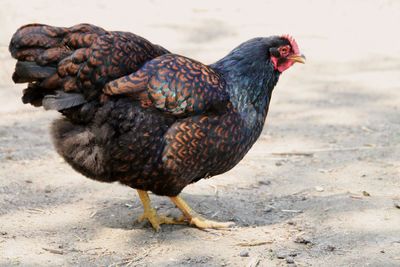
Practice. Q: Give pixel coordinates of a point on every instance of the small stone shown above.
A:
(302, 240)
(268, 209)
(280, 254)
(278, 163)
(397, 204)
(289, 260)
(366, 194)
(3, 233)
(319, 188)
(291, 223)
(382, 251)
(267, 182)
(330, 248)
(28, 181)
(244, 253)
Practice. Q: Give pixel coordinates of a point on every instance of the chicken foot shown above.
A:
(195, 219)
(151, 215)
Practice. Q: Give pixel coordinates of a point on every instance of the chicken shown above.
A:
(137, 114)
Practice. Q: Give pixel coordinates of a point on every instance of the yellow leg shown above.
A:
(195, 219)
(151, 214)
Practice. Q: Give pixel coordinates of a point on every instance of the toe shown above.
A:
(155, 223)
(168, 220)
(204, 224)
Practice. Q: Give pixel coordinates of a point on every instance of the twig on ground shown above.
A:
(35, 210)
(311, 152)
(304, 154)
(292, 211)
(54, 251)
(253, 243)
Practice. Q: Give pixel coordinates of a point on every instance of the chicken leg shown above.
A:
(195, 219)
(151, 214)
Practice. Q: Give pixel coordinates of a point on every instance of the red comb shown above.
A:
(292, 42)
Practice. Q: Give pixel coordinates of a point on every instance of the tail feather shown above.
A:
(39, 49)
(26, 71)
(62, 100)
(36, 35)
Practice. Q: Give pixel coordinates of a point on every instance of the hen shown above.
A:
(137, 114)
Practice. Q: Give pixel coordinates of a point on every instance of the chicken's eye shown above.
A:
(284, 51)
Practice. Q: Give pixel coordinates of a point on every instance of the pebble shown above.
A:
(366, 194)
(289, 260)
(281, 254)
(330, 248)
(268, 209)
(302, 240)
(284, 254)
(244, 253)
(266, 182)
(319, 189)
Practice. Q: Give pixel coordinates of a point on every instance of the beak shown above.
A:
(298, 58)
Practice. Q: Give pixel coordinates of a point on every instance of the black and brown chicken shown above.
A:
(135, 113)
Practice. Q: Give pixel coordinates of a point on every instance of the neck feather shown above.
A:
(250, 82)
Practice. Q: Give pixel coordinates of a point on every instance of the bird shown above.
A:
(133, 112)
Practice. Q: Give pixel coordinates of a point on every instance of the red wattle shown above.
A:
(282, 66)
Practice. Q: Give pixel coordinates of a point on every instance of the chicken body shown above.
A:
(136, 114)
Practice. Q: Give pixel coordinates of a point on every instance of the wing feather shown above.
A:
(174, 84)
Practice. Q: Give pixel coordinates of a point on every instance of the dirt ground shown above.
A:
(319, 188)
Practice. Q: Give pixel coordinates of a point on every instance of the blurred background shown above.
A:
(326, 168)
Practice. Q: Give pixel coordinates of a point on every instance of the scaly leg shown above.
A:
(151, 214)
(195, 219)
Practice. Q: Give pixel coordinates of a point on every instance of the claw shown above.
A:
(195, 219)
(202, 223)
(151, 215)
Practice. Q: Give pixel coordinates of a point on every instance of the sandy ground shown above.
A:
(333, 204)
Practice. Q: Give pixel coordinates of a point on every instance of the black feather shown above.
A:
(26, 71)
(62, 100)
(33, 96)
